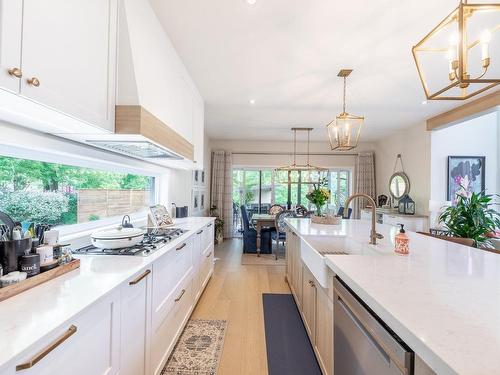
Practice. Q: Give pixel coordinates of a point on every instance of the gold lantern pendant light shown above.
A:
(307, 173)
(344, 131)
(453, 60)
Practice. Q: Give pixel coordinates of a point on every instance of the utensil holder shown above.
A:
(10, 251)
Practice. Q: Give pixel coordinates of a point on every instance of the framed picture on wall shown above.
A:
(465, 175)
(202, 179)
(202, 200)
(196, 201)
(196, 178)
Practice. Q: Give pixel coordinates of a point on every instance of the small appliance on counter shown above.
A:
(180, 212)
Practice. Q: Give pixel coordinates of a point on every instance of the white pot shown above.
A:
(117, 238)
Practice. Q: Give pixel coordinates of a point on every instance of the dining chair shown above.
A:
(340, 212)
(275, 209)
(280, 234)
(300, 210)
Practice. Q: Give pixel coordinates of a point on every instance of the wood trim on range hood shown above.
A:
(464, 111)
(135, 119)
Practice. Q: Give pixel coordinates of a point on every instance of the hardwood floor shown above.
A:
(235, 293)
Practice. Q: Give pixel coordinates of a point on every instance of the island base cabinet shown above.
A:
(294, 266)
(88, 344)
(323, 345)
(309, 302)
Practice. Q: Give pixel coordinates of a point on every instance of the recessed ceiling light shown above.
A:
(251, 2)
(424, 102)
(252, 101)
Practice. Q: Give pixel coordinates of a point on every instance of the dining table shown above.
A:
(262, 221)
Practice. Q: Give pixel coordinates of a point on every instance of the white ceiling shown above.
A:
(285, 55)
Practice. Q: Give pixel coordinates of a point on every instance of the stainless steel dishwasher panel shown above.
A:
(362, 345)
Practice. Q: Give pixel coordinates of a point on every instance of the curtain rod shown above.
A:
(291, 153)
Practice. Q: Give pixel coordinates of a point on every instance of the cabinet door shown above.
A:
(297, 270)
(198, 131)
(135, 325)
(69, 46)
(11, 13)
(309, 302)
(88, 344)
(198, 244)
(289, 256)
(324, 330)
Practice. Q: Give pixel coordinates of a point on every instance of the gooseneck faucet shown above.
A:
(373, 234)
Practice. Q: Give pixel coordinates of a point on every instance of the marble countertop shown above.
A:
(31, 315)
(443, 299)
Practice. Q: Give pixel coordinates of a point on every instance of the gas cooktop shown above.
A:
(154, 238)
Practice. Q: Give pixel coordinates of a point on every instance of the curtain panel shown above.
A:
(222, 188)
(365, 180)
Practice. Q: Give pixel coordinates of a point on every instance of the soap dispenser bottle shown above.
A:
(402, 241)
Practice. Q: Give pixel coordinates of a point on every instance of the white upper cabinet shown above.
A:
(11, 13)
(198, 131)
(69, 57)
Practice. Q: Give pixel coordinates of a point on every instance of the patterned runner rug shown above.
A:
(198, 350)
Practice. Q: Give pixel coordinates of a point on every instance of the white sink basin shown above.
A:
(314, 248)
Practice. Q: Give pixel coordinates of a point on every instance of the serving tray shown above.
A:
(15, 289)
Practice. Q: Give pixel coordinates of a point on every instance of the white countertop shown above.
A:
(443, 299)
(31, 315)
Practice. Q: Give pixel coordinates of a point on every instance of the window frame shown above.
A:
(73, 231)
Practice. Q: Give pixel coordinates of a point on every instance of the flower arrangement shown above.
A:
(319, 195)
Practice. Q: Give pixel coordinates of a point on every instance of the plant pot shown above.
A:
(326, 220)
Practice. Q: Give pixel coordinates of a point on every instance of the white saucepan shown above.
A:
(117, 237)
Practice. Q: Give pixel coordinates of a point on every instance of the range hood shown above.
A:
(146, 124)
(140, 134)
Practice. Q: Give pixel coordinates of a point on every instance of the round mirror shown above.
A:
(399, 185)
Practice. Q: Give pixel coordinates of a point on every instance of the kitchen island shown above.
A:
(106, 292)
(442, 300)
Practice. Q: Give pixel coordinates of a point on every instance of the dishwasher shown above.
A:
(363, 344)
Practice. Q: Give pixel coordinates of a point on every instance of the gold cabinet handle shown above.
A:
(180, 247)
(180, 296)
(33, 81)
(210, 253)
(311, 283)
(200, 232)
(139, 278)
(209, 225)
(37, 358)
(15, 72)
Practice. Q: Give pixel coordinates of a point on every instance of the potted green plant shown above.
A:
(472, 217)
(219, 225)
(319, 196)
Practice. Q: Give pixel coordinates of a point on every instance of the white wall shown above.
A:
(476, 137)
(414, 144)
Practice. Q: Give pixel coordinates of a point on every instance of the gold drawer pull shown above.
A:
(209, 225)
(139, 278)
(210, 253)
(37, 358)
(200, 232)
(311, 283)
(180, 296)
(181, 247)
(33, 81)
(15, 72)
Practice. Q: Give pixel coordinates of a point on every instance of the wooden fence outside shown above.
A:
(96, 204)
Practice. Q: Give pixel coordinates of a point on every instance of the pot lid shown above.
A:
(117, 233)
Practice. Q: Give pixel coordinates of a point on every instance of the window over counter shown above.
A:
(59, 194)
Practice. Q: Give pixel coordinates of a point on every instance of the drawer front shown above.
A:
(168, 271)
(165, 334)
(208, 266)
(208, 239)
(88, 344)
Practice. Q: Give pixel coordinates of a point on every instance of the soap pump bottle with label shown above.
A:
(402, 241)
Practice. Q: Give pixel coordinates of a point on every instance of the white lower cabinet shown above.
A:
(134, 343)
(133, 330)
(88, 344)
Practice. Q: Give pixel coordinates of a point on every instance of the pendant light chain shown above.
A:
(308, 132)
(294, 146)
(343, 110)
